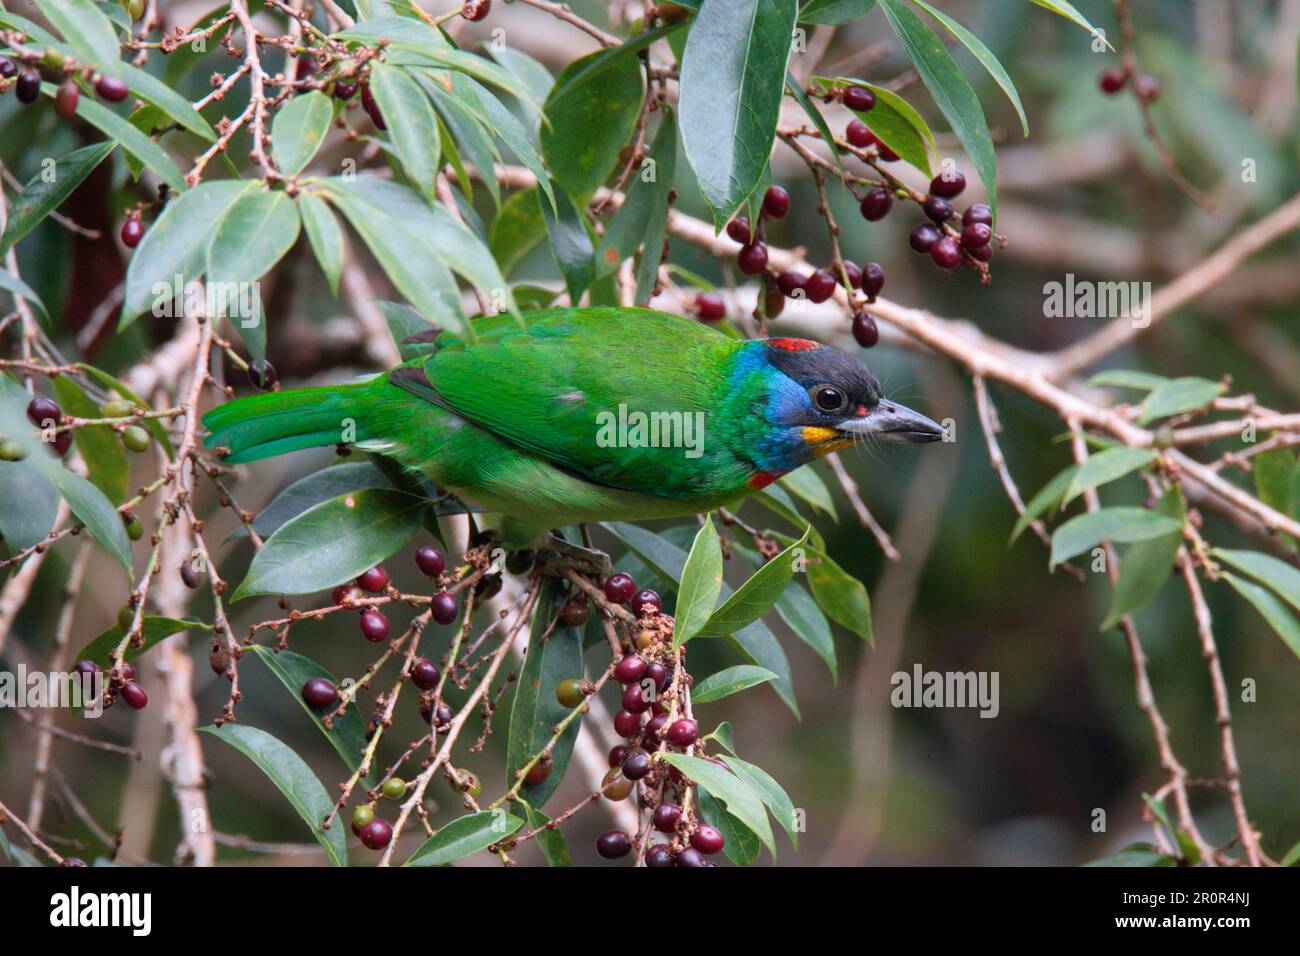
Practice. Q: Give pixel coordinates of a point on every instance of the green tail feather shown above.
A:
(260, 426)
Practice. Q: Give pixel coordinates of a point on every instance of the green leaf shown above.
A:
(1273, 470)
(796, 90)
(535, 711)
(739, 796)
(835, 12)
(895, 121)
(324, 235)
(591, 113)
(550, 841)
(89, 32)
(152, 630)
(701, 582)
(299, 127)
(47, 190)
(311, 490)
(732, 78)
(842, 596)
(1282, 621)
(571, 244)
(805, 483)
(153, 425)
(984, 55)
(1049, 496)
(348, 735)
(254, 234)
(753, 598)
(21, 290)
(333, 542)
(950, 89)
(1127, 378)
(465, 836)
(1105, 467)
(166, 100)
(1178, 396)
(465, 120)
(99, 445)
(1146, 566)
(646, 202)
(740, 843)
(132, 140)
(176, 244)
(730, 681)
(769, 791)
(518, 227)
(95, 511)
(293, 778)
(1134, 858)
(1278, 575)
(29, 504)
(665, 155)
(412, 126)
(1068, 11)
(1086, 531)
(1292, 857)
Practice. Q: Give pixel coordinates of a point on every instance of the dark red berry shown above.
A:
(376, 834)
(657, 724)
(873, 280)
(430, 561)
(128, 672)
(859, 99)
(134, 696)
(372, 108)
(443, 717)
(983, 253)
(707, 839)
(710, 306)
(659, 674)
(738, 229)
(647, 597)
(443, 607)
(948, 183)
(86, 667)
(345, 592)
(374, 626)
(975, 235)
(540, 772)
(262, 375)
(320, 694)
(375, 580)
(28, 87)
(937, 209)
(344, 90)
(474, 10)
(65, 99)
(978, 212)
(575, 612)
(752, 259)
(790, 282)
(946, 253)
(1147, 87)
(634, 701)
(886, 154)
(858, 134)
(7, 68)
(691, 857)
(190, 576)
(876, 205)
(1112, 80)
(613, 844)
(41, 410)
(683, 733)
(617, 755)
(820, 286)
(626, 723)
(776, 202)
(865, 331)
(619, 588)
(132, 233)
(110, 88)
(923, 237)
(666, 817)
(659, 856)
(425, 674)
(853, 273)
(629, 670)
(636, 765)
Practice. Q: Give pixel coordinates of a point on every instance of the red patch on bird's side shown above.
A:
(764, 478)
(794, 345)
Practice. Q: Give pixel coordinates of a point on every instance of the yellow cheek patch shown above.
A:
(823, 441)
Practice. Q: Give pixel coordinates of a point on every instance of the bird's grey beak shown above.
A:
(889, 421)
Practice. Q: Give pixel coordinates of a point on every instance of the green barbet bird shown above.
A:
(590, 414)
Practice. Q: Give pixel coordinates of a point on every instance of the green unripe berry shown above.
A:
(362, 815)
(136, 439)
(117, 408)
(394, 788)
(469, 783)
(125, 615)
(10, 450)
(569, 692)
(134, 528)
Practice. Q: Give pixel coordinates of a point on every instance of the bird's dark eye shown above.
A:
(828, 398)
